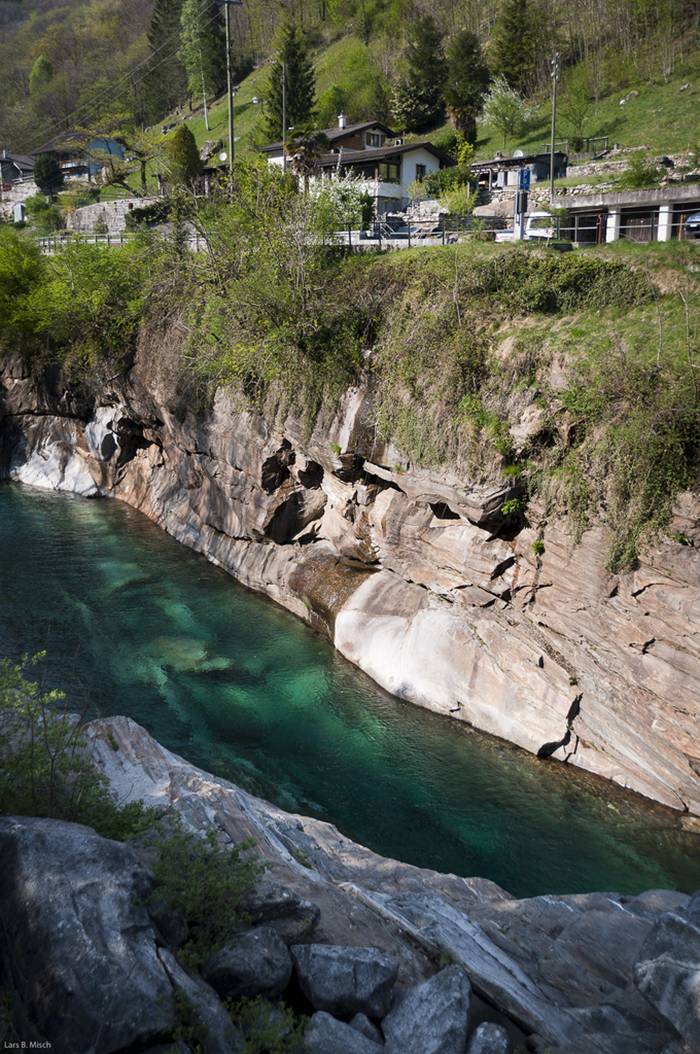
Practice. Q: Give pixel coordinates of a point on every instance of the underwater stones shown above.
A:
(345, 980)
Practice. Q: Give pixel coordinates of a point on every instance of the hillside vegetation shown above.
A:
(572, 375)
(117, 66)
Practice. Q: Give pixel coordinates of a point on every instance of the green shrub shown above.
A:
(538, 547)
(205, 881)
(512, 507)
(641, 173)
(267, 1028)
(22, 269)
(89, 306)
(45, 768)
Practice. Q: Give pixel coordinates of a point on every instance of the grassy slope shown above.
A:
(661, 117)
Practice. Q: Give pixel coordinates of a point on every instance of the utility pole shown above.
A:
(204, 92)
(229, 84)
(284, 116)
(555, 67)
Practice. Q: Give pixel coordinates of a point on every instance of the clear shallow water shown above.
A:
(136, 624)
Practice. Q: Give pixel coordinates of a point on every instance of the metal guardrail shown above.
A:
(642, 228)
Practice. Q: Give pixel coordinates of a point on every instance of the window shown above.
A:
(389, 172)
(420, 171)
(373, 139)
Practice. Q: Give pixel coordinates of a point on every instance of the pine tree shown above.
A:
(515, 44)
(300, 82)
(467, 82)
(182, 157)
(164, 84)
(417, 102)
(48, 175)
(202, 47)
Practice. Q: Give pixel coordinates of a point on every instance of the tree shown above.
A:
(47, 174)
(416, 100)
(164, 85)
(40, 79)
(467, 82)
(305, 154)
(202, 47)
(505, 109)
(576, 105)
(292, 57)
(515, 44)
(182, 157)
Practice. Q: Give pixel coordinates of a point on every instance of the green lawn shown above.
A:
(660, 117)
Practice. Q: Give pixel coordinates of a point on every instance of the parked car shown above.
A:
(691, 227)
(538, 225)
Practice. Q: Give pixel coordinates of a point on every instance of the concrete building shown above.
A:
(658, 214)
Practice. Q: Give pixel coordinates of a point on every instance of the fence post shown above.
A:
(443, 230)
(409, 234)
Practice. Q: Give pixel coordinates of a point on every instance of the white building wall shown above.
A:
(409, 160)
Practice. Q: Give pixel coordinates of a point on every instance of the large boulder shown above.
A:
(78, 949)
(433, 1017)
(255, 962)
(326, 1035)
(346, 981)
(667, 971)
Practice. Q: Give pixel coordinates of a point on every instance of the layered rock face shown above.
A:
(388, 956)
(414, 574)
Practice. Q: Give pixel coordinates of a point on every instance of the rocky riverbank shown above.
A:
(376, 955)
(414, 574)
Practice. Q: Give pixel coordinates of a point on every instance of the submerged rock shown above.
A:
(432, 1018)
(346, 980)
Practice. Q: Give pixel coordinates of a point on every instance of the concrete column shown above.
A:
(665, 225)
(612, 229)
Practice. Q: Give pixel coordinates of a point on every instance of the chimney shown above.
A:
(341, 120)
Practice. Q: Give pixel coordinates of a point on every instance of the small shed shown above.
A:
(501, 173)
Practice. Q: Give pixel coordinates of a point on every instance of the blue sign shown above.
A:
(524, 179)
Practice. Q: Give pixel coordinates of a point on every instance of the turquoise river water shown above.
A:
(136, 624)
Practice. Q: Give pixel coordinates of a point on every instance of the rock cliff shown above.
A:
(431, 959)
(414, 574)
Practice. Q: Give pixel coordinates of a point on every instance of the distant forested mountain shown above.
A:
(109, 64)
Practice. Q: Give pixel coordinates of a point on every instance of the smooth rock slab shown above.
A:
(345, 980)
(255, 962)
(489, 1039)
(667, 971)
(432, 1018)
(326, 1035)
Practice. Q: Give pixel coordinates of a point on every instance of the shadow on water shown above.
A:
(134, 623)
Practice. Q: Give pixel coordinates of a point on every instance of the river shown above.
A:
(136, 624)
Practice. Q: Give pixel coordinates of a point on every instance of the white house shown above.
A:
(385, 164)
